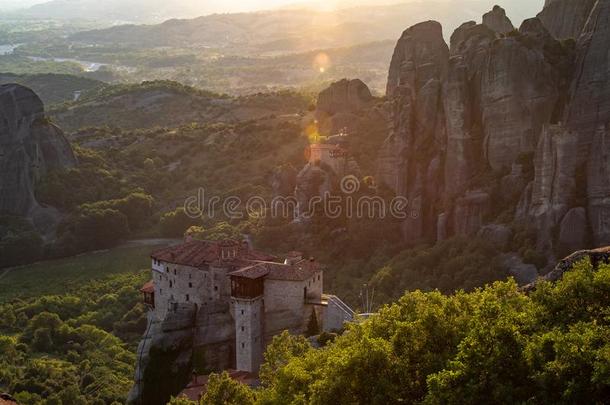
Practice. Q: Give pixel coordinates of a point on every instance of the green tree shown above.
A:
(279, 352)
(175, 223)
(181, 401)
(91, 229)
(223, 390)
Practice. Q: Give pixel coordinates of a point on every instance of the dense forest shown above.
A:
(73, 348)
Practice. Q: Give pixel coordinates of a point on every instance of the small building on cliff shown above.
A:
(238, 299)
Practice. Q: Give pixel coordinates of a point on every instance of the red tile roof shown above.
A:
(148, 287)
(199, 253)
(254, 271)
(6, 399)
(300, 271)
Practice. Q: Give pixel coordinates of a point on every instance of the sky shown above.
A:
(232, 5)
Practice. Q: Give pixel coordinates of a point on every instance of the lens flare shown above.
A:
(312, 132)
(321, 62)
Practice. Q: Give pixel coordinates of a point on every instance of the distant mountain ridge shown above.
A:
(307, 29)
(155, 11)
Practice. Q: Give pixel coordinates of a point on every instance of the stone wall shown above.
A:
(248, 333)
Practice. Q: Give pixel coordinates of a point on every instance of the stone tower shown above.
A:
(247, 298)
(249, 333)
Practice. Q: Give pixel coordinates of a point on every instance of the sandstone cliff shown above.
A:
(30, 146)
(467, 120)
(566, 18)
(190, 338)
(410, 159)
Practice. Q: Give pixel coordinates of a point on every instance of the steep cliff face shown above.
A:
(341, 106)
(598, 187)
(581, 156)
(506, 88)
(497, 21)
(350, 124)
(410, 159)
(188, 339)
(30, 146)
(566, 18)
(554, 183)
(497, 101)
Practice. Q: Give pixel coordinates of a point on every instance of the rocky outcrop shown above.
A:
(313, 181)
(504, 121)
(498, 235)
(188, 338)
(589, 107)
(498, 95)
(522, 272)
(554, 183)
(573, 232)
(344, 96)
(574, 156)
(282, 180)
(513, 184)
(497, 21)
(470, 211)
(480, 105)
(598, 187)
(595, 257)
(566, 18)
(30, 146)
(410, 159)
(519, 91)
(339, 104)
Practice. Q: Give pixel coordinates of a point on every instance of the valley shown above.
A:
(244, 141)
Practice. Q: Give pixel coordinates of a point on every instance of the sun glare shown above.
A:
(321, 62)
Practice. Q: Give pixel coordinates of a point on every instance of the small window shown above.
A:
(243, 345)
(242, 328)
(170, 283)
(160, 291)
(242, 311)
(167, 269)
(190, 285)
(187, 297)
(174, 271)
(190, 276)
(318, 277)
(215, 288)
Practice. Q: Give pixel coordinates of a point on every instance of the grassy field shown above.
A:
(64, 275)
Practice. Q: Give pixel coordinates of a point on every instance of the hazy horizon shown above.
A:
(515, 9)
